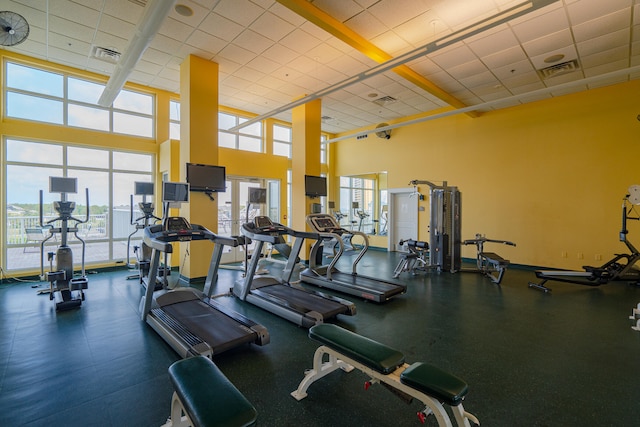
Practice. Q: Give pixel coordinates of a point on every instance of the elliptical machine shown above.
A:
(142, 252)
(61, 280)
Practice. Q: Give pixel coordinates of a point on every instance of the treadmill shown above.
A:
(190, 321)
(328, 276)
(300, 306)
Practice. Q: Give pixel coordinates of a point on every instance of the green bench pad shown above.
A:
(207, 396)
(435, 382)
(370, 353)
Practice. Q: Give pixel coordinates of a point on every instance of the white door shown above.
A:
(232, 213)
(403, 217)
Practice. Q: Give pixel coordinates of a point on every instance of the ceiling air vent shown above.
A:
(142, 3)
(326, 119)
(105, 54)
(385, 100)
(559, 69)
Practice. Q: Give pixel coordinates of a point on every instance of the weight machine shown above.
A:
(61, 280)
(621, 267)
(445, 225)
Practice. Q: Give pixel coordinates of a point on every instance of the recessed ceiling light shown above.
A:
(554, 58)
(373, 95)
(183, 10)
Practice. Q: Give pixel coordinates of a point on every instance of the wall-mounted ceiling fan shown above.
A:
(14, 29)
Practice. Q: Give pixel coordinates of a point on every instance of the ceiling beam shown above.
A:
(337, 29)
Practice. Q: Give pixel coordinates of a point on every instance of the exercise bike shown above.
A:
(621, 267)
(142, 252)
(67, 290)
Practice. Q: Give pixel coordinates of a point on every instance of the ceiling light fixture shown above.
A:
(183, 9)
(483, 25)
(154, 14)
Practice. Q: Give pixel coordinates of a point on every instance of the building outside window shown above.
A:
(56, 98)
(109, 176)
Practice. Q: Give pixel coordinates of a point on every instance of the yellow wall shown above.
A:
(548, 175)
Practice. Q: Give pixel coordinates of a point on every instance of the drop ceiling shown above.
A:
(269, 54)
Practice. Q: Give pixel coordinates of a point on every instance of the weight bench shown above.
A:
(427, 383)
(491, 263)
(203, 396)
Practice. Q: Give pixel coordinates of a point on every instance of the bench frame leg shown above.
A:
(337, 361)
(178, 418)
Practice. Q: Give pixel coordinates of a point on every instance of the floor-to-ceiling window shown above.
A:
(107, 176)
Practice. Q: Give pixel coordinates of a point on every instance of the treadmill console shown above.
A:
(178, 227)
(265, 225)
(323, 223)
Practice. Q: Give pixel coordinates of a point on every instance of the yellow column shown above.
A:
(305, 160)
(198, 144)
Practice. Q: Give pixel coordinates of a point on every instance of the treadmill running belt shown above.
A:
(218, 330)
(304, 300)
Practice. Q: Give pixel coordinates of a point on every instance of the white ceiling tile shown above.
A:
(286, 14)
(242, 12)
(608, 56)
(206, 42)
(602, 43)
(366, 25)
(272, 26)
(300, 41)
(587, 10)
(175, 29)
(513, 70)
(397, 12)
(221, 27)
(480, 79)
(253, 41)
(461, 13)
(236, 54)
(123, 9)
(116, 27)
(548, 43)
(603, 25)
(452, 57)
(541, 26)
(421, 29)
(263, 64)
(495, 42)
(390, 42)
(280, 54)
(467, 70)
(505, 57)
(341, 10)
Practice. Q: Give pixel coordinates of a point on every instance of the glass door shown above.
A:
(233, 211)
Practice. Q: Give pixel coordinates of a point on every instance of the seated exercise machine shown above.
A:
(328, 276)
(279, 296)
(190, 321)
(203, 396)
(66, 289)
(416, 259)
(385, 365)
(622, 267)
(142, 252)
(489, 264)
